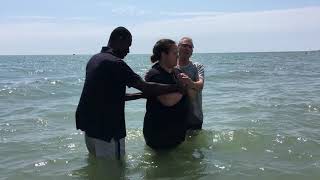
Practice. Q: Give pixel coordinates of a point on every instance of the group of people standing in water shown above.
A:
(172, 87)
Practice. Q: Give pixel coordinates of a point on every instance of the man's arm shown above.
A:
(166, 94)
(199, 83)
(133, 96)
(195, 85)
(156, 89)
(147, 88)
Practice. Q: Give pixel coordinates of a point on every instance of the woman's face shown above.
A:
(170, 59)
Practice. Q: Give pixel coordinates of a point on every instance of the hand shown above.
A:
(185, 80)
(181, 81)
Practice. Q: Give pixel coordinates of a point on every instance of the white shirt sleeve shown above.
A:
(200, 69)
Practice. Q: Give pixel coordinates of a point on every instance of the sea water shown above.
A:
(261, 121)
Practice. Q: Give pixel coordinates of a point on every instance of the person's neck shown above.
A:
(169, 70)
(183, 61)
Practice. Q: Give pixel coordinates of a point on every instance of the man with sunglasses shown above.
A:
(193, 77)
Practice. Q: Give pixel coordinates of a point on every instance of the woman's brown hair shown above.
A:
(163, 45)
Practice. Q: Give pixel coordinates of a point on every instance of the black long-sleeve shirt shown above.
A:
(100, 112)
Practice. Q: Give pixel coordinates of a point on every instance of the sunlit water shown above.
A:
(262, 121)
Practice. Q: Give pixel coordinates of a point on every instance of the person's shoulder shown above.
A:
(101, 57)
(198, 65)
(151, 73)
(96, 61)
(114, 59)
(195, 63)
(107, 62)
(94, 58)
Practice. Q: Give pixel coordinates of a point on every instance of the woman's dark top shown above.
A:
(164, 127)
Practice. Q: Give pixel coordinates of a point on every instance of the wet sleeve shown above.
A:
(154, 76)
(128, 75)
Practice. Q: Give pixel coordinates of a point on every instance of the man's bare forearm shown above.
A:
(197, 85)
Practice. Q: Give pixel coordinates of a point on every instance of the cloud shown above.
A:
(104, 4)
(32, 18)
(191, 13)
(288, 29)
(46, 19)
(129, 11)
(292, 20)
(52, 38)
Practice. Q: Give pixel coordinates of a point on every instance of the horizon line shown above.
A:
(227, 52)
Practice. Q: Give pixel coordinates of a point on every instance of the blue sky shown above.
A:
(82, 27)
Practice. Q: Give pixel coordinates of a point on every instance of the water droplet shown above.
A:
(71, 145)
(269, 151)
(243, 148)
(40, 164)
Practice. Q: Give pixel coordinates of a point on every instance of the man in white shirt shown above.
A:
(193, 76)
